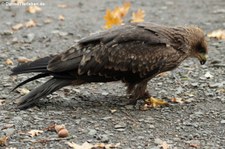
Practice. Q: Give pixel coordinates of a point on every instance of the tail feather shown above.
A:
(31, 79)
(39, 65)
(35, 95)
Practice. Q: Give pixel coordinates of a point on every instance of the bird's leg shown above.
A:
(137, 91)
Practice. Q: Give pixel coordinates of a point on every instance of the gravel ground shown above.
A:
(92, 112)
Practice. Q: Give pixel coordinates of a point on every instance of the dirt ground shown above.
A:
(92, 112)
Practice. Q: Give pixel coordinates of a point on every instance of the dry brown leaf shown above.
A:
(33, 9)
(33, 133)
(30, 23)
(23, 60)
(3, 140)
(61, 18)
(115, 17)
(9, 62)
(218, 34)
(17, 26)
(87, 145)
(2, 102)
(62, 5)
(138, 16)
(22, 91)
(155, 102)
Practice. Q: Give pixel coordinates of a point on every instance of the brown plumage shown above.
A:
(133, 53)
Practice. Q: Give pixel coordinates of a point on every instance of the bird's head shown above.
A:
(199, 48)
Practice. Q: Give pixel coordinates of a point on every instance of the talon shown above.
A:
(155, 102)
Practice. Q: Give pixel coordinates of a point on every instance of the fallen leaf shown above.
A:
(23, 60)
(111, 20)
(3, 140)
(123, 10)
(22, 91)
(218, 34)
(155, 102)
(33, 133)
(17, 26)
(195, 145)
(33, 9)
(61, 18)
(2, 102)
(85, 145)
(138, 16)
(30, 23)
(9, 62)
(177, 100)
(115, 17)
(62, 5)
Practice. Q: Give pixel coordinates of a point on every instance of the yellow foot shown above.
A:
(154, 103)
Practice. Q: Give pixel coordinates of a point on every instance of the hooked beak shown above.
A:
(202, 58)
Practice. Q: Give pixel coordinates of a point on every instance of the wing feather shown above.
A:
(129, 52)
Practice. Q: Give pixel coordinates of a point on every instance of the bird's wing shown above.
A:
(131, 49)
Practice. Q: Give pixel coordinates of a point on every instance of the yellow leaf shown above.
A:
(155, 102)
(115, 17)
(218, 34)
(111, 19)
(33, 133)
(138, 16)
(33, 9)
(123, 10)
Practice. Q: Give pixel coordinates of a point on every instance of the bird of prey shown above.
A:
(133, 53)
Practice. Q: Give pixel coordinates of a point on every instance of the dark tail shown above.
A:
(48, 87)
(39, 65)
